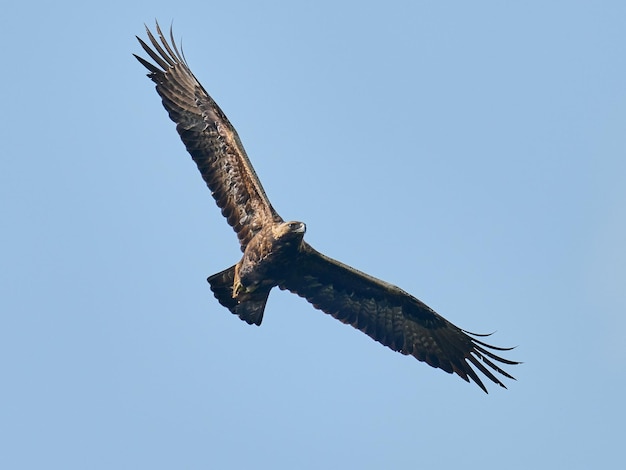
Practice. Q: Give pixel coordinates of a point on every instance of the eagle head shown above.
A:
(287, 231)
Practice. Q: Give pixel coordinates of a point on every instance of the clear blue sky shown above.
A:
(472, 153)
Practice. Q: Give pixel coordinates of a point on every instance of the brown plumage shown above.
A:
(275, 254)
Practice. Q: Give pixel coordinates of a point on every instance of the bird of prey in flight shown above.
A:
(274, 250)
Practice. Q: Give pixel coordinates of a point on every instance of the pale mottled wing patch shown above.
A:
(210, 138)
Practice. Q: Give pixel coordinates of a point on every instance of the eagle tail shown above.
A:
(250, 310)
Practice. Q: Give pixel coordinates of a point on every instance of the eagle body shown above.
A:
(244, 287)
(275, 252)
(269, 252)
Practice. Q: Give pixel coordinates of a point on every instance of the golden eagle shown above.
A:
(274, 252)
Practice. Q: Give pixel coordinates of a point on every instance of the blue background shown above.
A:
(470, 152)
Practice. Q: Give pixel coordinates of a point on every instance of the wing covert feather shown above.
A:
(392, 317)
(210, 138)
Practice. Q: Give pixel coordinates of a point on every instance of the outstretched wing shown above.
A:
(392, 317)
(210, 138)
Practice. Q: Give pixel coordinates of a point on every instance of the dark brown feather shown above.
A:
(391, 316)
(210, 138)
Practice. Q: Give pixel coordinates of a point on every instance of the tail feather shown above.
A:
(250, 310)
